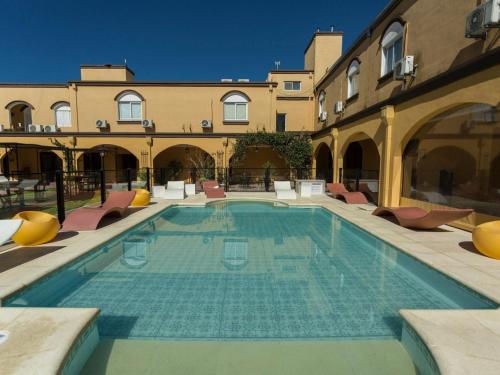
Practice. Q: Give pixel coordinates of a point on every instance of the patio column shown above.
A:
(388, 180)
(334, 149)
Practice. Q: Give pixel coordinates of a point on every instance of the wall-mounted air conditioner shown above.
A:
(147, 123)
(32, 128)
(484, 16)
(403, 68)
(323, 116)
(101, 124)
(339, 107)
(49, 128)
(205, 124)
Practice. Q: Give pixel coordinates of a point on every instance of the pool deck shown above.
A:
(457, 339)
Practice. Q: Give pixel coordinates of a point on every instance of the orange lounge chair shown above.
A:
(213, 190)
(417, 218)
(351, 197)
(88, 218)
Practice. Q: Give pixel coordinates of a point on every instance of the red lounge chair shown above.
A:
(88, 218)
(417, 218)
(339, 190)
(211, 191)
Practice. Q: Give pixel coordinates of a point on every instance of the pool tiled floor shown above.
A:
(124, 357)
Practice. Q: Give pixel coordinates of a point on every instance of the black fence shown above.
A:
(60, 191)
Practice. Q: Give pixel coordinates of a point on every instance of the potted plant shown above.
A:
(267, 174)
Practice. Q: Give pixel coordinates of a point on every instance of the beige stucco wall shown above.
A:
(434, 35)
(105, 73)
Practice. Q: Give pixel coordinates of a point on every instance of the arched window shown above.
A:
(353, 79)
(129, 107)
(451, 160)
(321, 102)
(62, 113)
(392, 47)
(235, 107)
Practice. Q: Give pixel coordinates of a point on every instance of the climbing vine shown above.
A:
(295, 149)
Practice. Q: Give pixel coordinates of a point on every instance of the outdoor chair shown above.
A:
(338, 190)
(284, 190)
(213, 190)
(8, 228)
(175, 190)
(417, 218)
(88, 218)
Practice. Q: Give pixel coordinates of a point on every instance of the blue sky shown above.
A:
(47, 41)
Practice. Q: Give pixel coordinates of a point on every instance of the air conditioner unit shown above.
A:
(403, 68)
(49, 128)
(323, 116)
(485, 16)
(101, 124)
(147, 123)
(32, 128)
(205, 124)
(339, 107)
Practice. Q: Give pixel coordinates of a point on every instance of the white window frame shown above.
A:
(128, 99)
(62, 107)
(235, 100)
(394, 34)
(353, 76)
(321, 103)
(292, 84)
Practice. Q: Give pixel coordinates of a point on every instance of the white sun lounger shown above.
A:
(8, 228)
(175, 190)
(158, 191)
(284, 190)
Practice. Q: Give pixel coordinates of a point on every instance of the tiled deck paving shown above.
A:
(448, 250)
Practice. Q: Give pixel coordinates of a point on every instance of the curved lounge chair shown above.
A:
(351, 197)
(8, 228)
(213, 190)
(88, 218)
(417, 218)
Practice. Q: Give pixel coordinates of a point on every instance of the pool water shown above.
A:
(248, 270)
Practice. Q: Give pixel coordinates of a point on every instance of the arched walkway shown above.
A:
(450, 160)
(32, 163)
(361, 167)
(115, 160)
(324, 163)
(183, 162)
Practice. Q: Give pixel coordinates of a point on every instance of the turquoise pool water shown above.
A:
(247, 270)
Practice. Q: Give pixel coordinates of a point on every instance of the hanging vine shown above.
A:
(295, 149)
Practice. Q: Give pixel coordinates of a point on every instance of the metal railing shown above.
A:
(60, 191)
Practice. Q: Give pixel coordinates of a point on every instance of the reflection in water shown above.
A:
(135, 253)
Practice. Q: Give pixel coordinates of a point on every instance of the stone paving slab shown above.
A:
(40, 338)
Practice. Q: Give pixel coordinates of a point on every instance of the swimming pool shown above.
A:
(248, 270)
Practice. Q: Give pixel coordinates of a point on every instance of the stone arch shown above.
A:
(448, 156)
(324, 162)
(185, 162)
(115, 159)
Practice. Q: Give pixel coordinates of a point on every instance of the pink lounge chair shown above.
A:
(211, 191)
(88, 218)
(417, 218)
(339, 190)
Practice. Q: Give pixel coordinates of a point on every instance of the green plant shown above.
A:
(295, 149)
(268, 172)
(174, 169)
